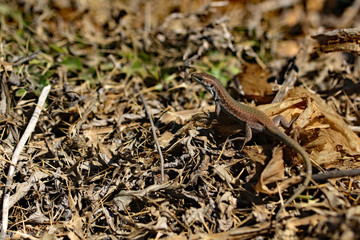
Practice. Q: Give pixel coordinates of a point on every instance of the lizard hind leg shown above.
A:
(280, 120)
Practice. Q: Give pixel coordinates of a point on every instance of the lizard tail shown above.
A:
(293, 144)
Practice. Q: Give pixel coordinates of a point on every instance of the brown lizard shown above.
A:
(253, 119)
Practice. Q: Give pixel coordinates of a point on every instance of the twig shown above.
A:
(15, 157)
(324, 176)
(155, 139)
(27, 58)
(290, 76)
(335, 174)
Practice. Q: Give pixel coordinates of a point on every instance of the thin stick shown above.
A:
(15, 157)
(155, 139)
(335, 174)
(26, 58)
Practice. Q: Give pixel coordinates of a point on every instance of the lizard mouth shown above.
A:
(197, 78)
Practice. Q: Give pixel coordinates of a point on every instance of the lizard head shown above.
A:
(206, 80)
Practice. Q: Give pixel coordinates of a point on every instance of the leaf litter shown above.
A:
(91, 169)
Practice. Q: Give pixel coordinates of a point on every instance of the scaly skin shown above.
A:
(253, 119)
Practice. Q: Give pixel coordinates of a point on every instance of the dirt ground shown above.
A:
(94, 166)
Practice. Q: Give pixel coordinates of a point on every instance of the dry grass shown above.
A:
(91, 169)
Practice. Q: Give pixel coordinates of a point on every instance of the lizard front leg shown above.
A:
(216, 113)
(248, 131)
(248, 135)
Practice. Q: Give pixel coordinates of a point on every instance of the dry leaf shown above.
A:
(23, 188)
(165, 139)
(38, 216)
(254, 83)
(335, 198)
(193, 215)
(330, 135)
(273, 172)
(261, 213)
(223, 173)
(124, 198)
(287, 48)
(180, 117)
(255, 154)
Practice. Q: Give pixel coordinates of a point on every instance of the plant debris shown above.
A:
(92, 170)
